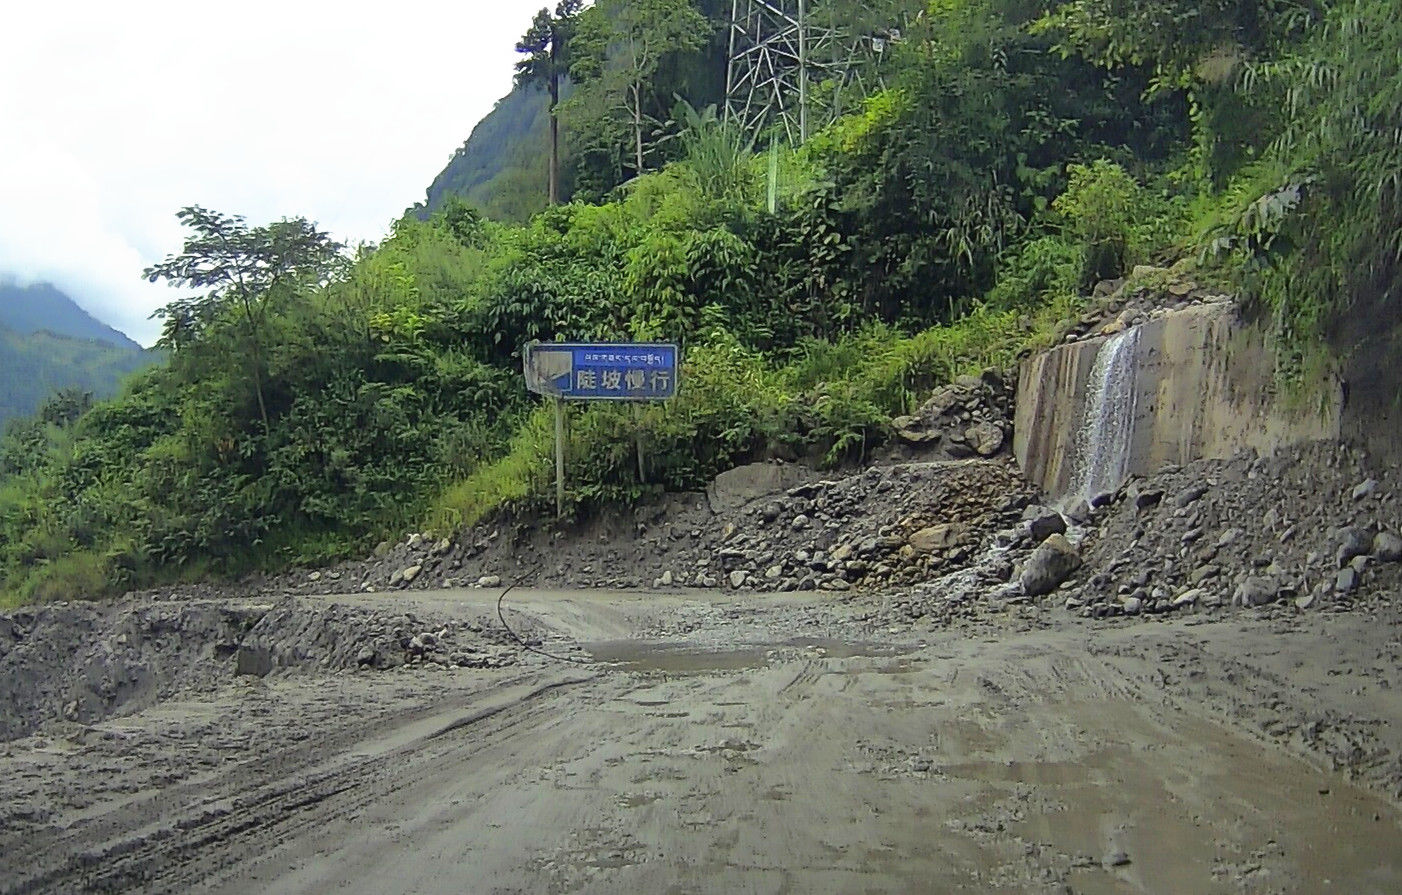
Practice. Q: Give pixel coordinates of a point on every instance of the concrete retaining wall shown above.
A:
(1204, 388)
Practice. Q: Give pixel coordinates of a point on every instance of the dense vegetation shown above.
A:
(49, 344)
(316, 400)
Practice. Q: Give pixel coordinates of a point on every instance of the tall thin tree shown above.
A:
(546, 50)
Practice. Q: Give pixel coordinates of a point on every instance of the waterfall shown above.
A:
(1104, 440)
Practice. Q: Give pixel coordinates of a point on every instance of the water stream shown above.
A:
(1103, 444)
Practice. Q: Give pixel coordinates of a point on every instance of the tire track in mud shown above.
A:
(180, 847)
(1318, 723)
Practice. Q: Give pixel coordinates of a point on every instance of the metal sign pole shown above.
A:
(638, 438)
(559, 458)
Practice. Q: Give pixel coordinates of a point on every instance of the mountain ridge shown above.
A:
(43, 306)
(48, 342)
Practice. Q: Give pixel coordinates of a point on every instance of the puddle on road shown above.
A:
(687, 658)
(668, 658)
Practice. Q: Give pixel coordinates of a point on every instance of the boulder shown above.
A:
(1080, 512)
(734, 488)
(254, 661)
(1346, 580)
(1190, 496)
(1365, 489)
(1050, 564)
(940, 403)
(1353, 540)
(1044, 526)
(912, 431)
(1145, 500)
(738, 578)
(1187, 598)
(936, 538)
(1387, 547)
(985, 438)
(1256, 591)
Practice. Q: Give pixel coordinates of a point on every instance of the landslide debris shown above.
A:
(83, 662)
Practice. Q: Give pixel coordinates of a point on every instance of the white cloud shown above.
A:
(113, 116)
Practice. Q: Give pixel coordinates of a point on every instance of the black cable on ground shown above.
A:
(524, 645)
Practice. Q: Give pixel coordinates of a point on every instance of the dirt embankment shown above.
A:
(83, 662)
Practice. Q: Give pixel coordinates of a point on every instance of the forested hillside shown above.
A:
(28, 309)
(1010, 156)
(49, 344)
(501, 169)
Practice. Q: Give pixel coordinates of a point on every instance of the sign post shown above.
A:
(599, 371)
(559, 458)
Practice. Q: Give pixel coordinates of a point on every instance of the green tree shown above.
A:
(621, 43)
(546, 49)
(66, 405)
(245, 273)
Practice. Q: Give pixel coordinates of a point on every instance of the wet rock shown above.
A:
(1145, 500)
(1046, 525)
(1080, 512)
(1051, 563)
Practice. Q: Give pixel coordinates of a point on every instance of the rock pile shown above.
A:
(890, 526)
(1307, 528)
(1148, 292)
(968, 418)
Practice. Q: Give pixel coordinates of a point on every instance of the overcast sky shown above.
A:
(115, 115)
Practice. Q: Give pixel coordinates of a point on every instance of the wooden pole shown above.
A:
(559, 458)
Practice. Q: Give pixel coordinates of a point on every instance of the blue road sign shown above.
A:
(602, 371)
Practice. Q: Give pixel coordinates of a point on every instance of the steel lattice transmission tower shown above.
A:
(778, 52)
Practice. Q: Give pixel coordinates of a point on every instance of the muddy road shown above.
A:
(722, 743)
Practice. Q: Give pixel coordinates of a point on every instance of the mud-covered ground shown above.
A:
(709, 742)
